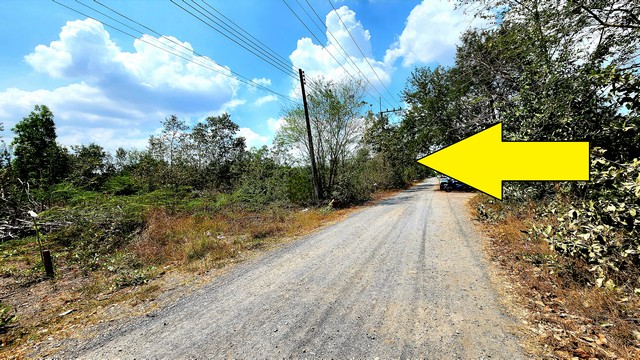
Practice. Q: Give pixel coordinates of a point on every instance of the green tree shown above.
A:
(90, 166)
(208, 156)
(169, 146)
(215, 151)
(37, 157)
(338, 119)
(432, 115)
(5, 157)
(395, 150)
(559, 71)
(121, 160)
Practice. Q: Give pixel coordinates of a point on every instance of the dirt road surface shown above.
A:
(405, 278)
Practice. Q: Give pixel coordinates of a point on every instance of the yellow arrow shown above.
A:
(484, 161)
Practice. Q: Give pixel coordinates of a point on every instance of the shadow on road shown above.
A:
(420, 187)
(407, 195)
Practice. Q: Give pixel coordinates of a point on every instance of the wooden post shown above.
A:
(48, 263)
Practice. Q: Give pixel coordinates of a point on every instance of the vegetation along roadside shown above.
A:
(557, 71)
(124, 228)
(196, 198)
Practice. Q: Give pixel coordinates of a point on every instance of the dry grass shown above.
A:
(567, 317)
(51, 309)
(184, 239)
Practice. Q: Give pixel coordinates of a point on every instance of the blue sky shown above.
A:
(113, 89)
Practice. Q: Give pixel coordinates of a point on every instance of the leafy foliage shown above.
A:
(90, 166)
(603, 226)
(263, 180)
(337, 126)
(37, 157)
(207, 156)
(395, 148)
(553, 71)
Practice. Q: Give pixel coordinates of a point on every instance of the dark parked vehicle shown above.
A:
(456, 185)
(443, 182)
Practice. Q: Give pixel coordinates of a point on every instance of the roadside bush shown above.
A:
(120, 185)
(94, 231)
(602, 227)
(351, 188)
(299, 186)
(263, 180)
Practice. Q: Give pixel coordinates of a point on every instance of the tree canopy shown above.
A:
(37, 156)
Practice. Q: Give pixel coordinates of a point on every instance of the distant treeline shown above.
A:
(357, 153)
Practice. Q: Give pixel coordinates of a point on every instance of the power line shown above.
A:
(320, 42)
(287, 72)
(317, 38)
(344, 50)
(358, 46)
(183, 56)
(160, 35)
(274, 53)
(344, 54)
(323, 28)
(247, 40)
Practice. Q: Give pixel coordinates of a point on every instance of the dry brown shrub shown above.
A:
(182, 239)
(154, 244)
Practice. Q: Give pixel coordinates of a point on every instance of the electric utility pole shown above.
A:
(394, 110)
(314, 171)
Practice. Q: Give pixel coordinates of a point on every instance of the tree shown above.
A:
(5, 158)
(337, 125)
(432, 115)
(37, 157)
(169, 145)
(121, 160)
(214, 149)
(207, 156)
(560, 70)
(395, 150)
(90, 166)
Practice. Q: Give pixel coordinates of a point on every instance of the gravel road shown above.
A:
(405, 278)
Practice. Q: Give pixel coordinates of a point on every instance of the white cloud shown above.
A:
(82, 115)
(432, 31)
(275, 124)
(233, 103)
(266, 99)
(317, 61)
(262, 81)
(334, 22)
(116, 97)
(110, 138)
(84, 49)
(252, 138)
